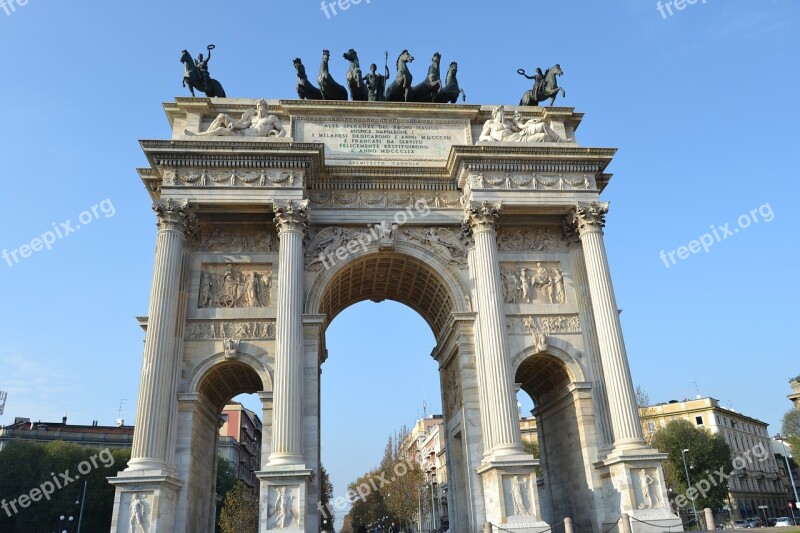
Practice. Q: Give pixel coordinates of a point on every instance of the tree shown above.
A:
(791, 429)
(226, 480)
(240, 510)
(707, 455)
(25, 466)
(326, 496)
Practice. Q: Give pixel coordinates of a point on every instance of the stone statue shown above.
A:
(645, 481)
(451, 90)
(305, 91)
(545, 86)
(355, 80)
(533, 131)
(231, 348)
(376, 83)
(525, 287)
(206, 291)
(255, 122)
(327, 86)
(137, 509)
(497, 129)
(557, 283)
(251, 291)
(196, 76)
(283, 510)
(517, 497)
(539, 338)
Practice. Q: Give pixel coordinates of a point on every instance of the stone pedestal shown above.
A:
(283, 502)
(154, 511)
(511, 496)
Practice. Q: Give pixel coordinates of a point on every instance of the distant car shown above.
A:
(771, 521)
(741, 524)
(783, 522)
(755, 521)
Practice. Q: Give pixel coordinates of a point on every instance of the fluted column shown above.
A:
(287, 445)
(588, 221)
(577, 263)
(151, 450)
(503, 419)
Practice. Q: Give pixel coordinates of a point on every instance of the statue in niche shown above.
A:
(283, 510)
(137, 510)
(518, 487)
(645, 481)
(255, 122)
(557, 284)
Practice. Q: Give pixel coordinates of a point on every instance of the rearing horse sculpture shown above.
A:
(451, 90)
(328, 87)
(305, 91)
(355, 79)
(550, 88)
(399, 89)
(194, 79)
(428, 89)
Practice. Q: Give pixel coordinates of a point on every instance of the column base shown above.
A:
(145, 500)
(510, 494)
(284, 505)
(634, 484)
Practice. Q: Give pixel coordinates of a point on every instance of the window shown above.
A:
(698, 420)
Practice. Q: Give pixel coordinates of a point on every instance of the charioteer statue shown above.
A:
(196, 76)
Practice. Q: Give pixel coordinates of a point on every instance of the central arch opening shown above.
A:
(388, 346)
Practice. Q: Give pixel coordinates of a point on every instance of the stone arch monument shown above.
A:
(490, 228)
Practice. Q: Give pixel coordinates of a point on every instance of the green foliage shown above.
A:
(791, 429)
(226, 480)
(26, 466)
(326, 496)
(240, 510)
(707, 454)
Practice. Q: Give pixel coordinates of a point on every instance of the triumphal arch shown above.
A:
(274, 216)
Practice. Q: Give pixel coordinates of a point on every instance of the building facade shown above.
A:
(755, 485)
(240, 441)
(94, 435)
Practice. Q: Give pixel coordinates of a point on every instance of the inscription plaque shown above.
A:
(383, 142)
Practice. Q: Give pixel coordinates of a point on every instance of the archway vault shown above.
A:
(420, 283)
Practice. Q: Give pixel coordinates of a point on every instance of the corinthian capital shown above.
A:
(173, 216)
(588, 218)
(482, 217)
(291, 215)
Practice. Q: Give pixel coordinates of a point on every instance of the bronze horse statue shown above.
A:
(305, 91)
(451, 90)
(195, 80)
(328, 87)
(428, 89)
(547, 88)
(355, 79)
(399, 89)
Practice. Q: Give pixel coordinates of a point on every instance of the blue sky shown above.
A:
(701, 104)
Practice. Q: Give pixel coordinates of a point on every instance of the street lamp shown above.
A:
(789, 469)
(689, 485)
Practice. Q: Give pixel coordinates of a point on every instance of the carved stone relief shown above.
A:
(264, 178)
(229, 286)
(648, 496)
(531, 181)
(518, 495)
(452, 384)
(202, 330)
(549, 324)
(138, 513)
(282, 500)
(536, 239)
(526, 283)
(235, 240)
(385, 199)
(443, 242)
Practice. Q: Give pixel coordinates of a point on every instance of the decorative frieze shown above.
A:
(526, 283)
(235, 240)
(533, 239)
(262, 178)
(527, 324)
(230, 286)
(385, 199)
(533, 181)
(444, 243)
(203, 330)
